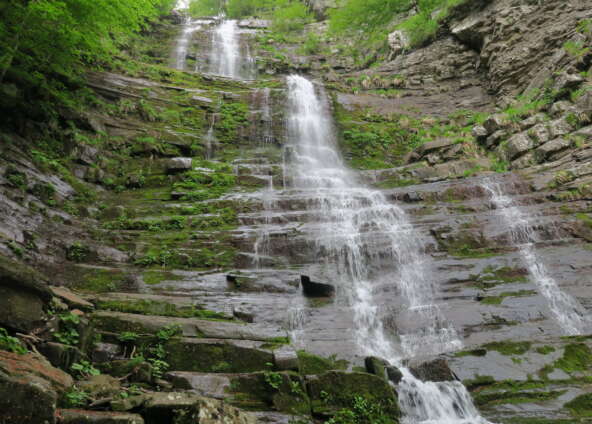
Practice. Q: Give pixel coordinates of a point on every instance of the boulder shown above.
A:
(517, 145)
(105, 352)
(559, 127)
(567, 81)
(336, 390)
(285, 358)
(398, 41)
(282, 391)
(539, 134)
(99, 386)
(78, 416)
(175, 407)
(60, 355)
(175, 165)
(24, 296)
(212, 355)
(434, 146)
(550, 147)
(29, 388)
(435, 370)
(479, 132)
(376, 366)
(86, 155)
(495, 123)
(314, 289)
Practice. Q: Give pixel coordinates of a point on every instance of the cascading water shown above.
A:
(368, 244)
(225, 57)
(568, 312)
(182, 43)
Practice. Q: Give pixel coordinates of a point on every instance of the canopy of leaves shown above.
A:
(45, 43)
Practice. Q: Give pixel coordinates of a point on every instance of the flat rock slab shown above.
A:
(116, 322)
(218, 355)
(78, 416)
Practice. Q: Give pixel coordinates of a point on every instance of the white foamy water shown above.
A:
(183, 42)
(368, 244)
(226, 58)
(568, 312)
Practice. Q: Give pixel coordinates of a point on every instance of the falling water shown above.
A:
(182, 43)
(568, 312)
(225, 57)
(210, 138)
(262, 244)
(370, 246)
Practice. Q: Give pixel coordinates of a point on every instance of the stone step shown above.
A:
(117, 322)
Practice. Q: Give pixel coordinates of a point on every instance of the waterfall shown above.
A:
(182, 43)
(369, 246)
(568, 312)
(225, 58)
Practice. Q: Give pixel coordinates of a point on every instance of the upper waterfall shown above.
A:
(226, 56)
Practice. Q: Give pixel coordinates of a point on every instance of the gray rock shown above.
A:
(559, 127)
(433, 146)
(254, 23)
(24, 296)
(60, 355)
(174, 406)
(398, 41)
(86, 155)
(550, 147)
(105, 352)
(71, 298)
(539, 134)
(77, 416)
(517, 145)
(524, 161)
(567, 81)
(435, 370)
(479, 132)
(175, 165)
(495, 138)
(285, 359)
(532, 121)
(495, 123)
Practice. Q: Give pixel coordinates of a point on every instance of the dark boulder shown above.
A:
(314, 289)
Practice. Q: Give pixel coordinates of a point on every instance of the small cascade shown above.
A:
(568, 312)
(266, 117)
(182, 44)
(210, 139)
(262, 247)
(368, 245)
(226, 58)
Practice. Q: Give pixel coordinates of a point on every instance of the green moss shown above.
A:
(577, 357)
(509, 347)
(492, 276)
(99, 280)
(157, 277)
(193, 355)
(153, 307)
(581, 406)
(515, 397)
(474, 352)
(545, 350)
(496, 300)
(314, 364)
(275, 343)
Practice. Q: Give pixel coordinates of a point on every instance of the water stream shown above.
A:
(226, 58)
(368, 246)
(568, 312)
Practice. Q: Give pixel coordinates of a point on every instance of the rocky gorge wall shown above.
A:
(186, 271)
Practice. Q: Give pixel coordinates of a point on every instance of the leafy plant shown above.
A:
(68, 333)
(274, 379)
(84, 369)
(11, 344)
(76, 398)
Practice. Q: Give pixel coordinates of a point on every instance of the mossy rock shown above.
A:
(24, 296)
(314, 364)
(282, 391)
(337, 390)
(212, 355)
(580, 406)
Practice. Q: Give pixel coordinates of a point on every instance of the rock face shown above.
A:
(29, 388)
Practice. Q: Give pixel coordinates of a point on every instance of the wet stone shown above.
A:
(314, 289)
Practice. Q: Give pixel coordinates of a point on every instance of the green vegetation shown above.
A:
(198, 8)
(46, 44)
(581, 406)
(368, 22)
(153, 307)
(497, 300)
(577, 357)
(84, 369)
(11, 344)
(492, 276)
(363, 411)
(314, 364)
(68, 333)
(509, 347)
